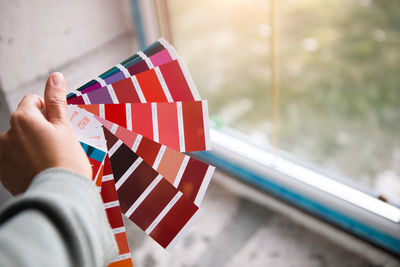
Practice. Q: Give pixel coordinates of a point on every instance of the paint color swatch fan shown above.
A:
(134, 121)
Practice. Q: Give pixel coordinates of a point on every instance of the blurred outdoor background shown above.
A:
(338, 80)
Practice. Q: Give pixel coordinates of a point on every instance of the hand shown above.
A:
(40, 137)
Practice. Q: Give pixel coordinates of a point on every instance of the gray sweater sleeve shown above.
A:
(58, 221)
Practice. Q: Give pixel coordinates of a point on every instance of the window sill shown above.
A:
(341, 205)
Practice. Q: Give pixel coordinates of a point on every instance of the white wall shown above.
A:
(81, 38)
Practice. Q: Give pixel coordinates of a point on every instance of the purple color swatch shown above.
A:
(100, 96)
(115, 78)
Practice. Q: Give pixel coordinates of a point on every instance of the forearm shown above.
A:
(59, 221)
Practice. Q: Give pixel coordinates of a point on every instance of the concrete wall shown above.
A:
(79, 38)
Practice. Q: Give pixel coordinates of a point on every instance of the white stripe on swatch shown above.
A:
(111, 204)
(102, 111)
(138, 89)
(128, 172)
(180, 127)
(146, 59)
(100, 81)
(163, 212)
(181, 170)
(159, 157)
(114, 148)
(86, 99)
(155, 121)
(136, 143)
(163, 84)
(145, 193)
(118, 230)
(112, 94)
(107, 177)
(124, 70)
(204, 185)
(128, 109)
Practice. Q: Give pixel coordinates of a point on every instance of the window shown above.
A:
(333, 149)
(337, 78)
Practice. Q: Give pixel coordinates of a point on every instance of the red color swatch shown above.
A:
(75, 100)
(193, 125)
(107, 166)
(148, 150)
(141, 120)
(125, 91)
(176, 81)
(139, 67)
(108, 192)
(192, 178)
(134, 186)
(114, 217)
(116, 113)
(151, 87)
(153, 204)
(173, 221)
(168, 125)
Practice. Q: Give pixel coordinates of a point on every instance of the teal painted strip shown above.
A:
(93, 152)
(132, 62)
(109, 73)
(129, 59)
(356, 227)
(86, 85)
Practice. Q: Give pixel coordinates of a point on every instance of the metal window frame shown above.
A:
(339, 204)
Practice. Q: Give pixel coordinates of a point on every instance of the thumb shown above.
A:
(55, 99)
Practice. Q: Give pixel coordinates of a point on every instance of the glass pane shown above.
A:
(339, 79)
(340, 88)
(225, 50)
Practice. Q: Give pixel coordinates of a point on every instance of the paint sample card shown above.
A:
(96, 158)
(113, 211)
(158, 53)
(142, 113)
(189, 175)
(166, 83)
(147, 198)
(87, 128)
(103, 179)
(182, 126)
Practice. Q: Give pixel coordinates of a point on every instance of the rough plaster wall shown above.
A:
(38, 37)
(79, 38)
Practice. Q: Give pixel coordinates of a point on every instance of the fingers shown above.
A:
(11, 173)
(31, 103)
(29, 110)
(55, 100)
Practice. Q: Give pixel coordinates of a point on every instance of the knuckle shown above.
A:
(29, 97)
(18, 117)
(59, 100)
